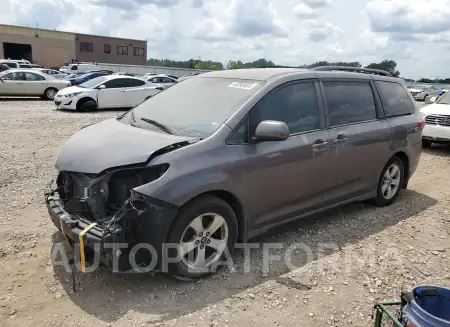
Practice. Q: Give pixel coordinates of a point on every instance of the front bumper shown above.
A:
(104, 243)
(436, 133)
(65, 103)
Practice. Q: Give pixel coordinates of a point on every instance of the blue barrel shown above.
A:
(427, 306)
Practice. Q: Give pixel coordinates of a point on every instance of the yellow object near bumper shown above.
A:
(80, 237)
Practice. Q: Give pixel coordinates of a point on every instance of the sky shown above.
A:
(414, 33)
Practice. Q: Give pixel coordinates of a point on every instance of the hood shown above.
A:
(436, 109)
(415, 90)
(71, 89)
(111, 144)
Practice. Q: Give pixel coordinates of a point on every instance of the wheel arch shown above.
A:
(405, 161)
(49, 88)
(233, 202)
(83, 100)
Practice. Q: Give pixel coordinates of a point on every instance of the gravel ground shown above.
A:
(355, 254)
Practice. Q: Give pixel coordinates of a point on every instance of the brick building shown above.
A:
(51, 48)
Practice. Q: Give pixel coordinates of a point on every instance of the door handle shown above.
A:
(340, 138)
(320, 145)
(319, 142)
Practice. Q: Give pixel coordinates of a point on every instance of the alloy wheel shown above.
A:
(50, 94)
(203, 241)
(391, 181)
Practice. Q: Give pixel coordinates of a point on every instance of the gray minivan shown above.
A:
(224, 156)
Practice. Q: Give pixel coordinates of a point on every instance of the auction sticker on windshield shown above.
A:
(244, 86)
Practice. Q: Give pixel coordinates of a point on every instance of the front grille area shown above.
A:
(443, 120)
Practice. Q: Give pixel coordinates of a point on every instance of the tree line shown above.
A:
(386, 65)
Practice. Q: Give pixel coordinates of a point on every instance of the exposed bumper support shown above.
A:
(152, 229)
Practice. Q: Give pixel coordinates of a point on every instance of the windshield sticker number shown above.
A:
(244, 86)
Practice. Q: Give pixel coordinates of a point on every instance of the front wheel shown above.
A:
(203, 231)
(390, 182)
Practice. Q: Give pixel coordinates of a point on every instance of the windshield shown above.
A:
(194, 107)
(445, 99)
(93, 82)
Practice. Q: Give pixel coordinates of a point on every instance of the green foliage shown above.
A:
(437, 81)
(326, 63)
(387, 65)
(191, 64)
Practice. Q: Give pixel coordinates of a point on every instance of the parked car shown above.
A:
(161, 80)
(110, 91)
(124, 74)
(149, 74)
(29, 66)
(3, 67)
(30, 82)
(420, 92)
(227, 155)
(78, 68)
(79, 79)
(52, 72)
(437, 121)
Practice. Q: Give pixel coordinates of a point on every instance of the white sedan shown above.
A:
(30, 82)
(420, 92)
(163, 80)
(110, 91)
(437, 121)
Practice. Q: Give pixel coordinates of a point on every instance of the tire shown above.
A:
(424, 97)
(426, 144)
(49, 94)
(384, 197)
(86, 105)
(188, 267)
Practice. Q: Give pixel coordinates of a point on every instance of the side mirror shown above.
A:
(101, 87)
(271, 130)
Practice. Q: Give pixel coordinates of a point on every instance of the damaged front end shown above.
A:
(102, 212)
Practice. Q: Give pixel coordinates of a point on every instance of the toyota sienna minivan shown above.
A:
(224, 156)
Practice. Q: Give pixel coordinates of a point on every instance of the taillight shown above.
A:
(421, 124)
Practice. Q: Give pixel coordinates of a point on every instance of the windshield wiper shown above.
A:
(159, 125)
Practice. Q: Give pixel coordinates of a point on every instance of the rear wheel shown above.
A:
(203, 231)
(426, 144)
(49, 94)
(390, 182)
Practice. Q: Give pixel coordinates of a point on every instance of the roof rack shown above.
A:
(353, 69)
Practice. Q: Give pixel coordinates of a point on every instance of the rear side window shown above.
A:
(131, 82)
(394, 98)
(349, 102)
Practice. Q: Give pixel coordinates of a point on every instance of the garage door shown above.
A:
(55, 56)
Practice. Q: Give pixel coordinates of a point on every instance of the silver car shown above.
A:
(52, 72)
(30, 82)
(227, 155)
(420, 92)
